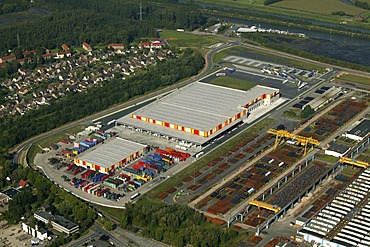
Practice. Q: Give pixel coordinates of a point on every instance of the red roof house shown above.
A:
(65, 47)
(116, 46)
(86, 46)
(23, 183)
(6, 59)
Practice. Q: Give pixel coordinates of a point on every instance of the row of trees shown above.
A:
(75, 106)
(176, 225)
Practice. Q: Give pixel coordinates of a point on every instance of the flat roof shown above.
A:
(10, 192)
(200, 106)
(339, 148)
(328, 94)
(362, 129)
(64, 222)
(111, 152)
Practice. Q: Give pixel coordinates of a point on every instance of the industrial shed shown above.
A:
(110, 155)
(200, 109)
(345, 220)
(337, 150)
(359, 132)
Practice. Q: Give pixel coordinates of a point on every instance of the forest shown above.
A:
(97, 22)
(176, 225)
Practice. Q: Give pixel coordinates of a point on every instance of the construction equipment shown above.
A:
(354, 162)
(259, 204)
(301, 140)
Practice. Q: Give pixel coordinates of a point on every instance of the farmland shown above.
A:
(302, 9)
(355, 78)
(319, 7)
(233, 83)
(185, 39)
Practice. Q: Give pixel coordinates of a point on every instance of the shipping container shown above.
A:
(133, 197)
(87, 173)
(75, 172)
(91, 189)
(106, 176)
(89, 186)
(70, 167)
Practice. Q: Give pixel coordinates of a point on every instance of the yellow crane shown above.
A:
(301, 140)
(265, 205)
(354, 162)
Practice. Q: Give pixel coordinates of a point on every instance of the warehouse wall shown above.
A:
(265, 99)
(96, 167)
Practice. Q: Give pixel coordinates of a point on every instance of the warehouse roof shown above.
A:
(111, 152)
(339, 148)
(201, 106)
(323, 98)
(362, 129)
(350, 211)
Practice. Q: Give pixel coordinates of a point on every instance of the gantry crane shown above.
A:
(265, 205)
(354, 162)
(301, 140)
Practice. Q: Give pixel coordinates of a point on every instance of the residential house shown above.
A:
(86, 46)
(116, 46)
(65, 47)
(7, 59)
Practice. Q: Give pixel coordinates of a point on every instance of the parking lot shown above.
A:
(289, 88)
(14, 236)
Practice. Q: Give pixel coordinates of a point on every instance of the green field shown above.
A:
(185, 39)
(355, 78)
(47, 142)
(219, 151)
(237, 51)
(325, 7)
(233, 83)
(304, 9)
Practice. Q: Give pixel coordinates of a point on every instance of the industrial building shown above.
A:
(345, 221)
(196, 112)
(110, 155)
(360, 131)
(337, 150)
(326, 95)
(59, 223)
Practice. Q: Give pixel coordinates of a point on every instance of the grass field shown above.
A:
(236, 51)
(221, 150)
(233, 83)
(185, 39)
(47, 142)
(325, 7)
(257, 6)
(355, 78)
